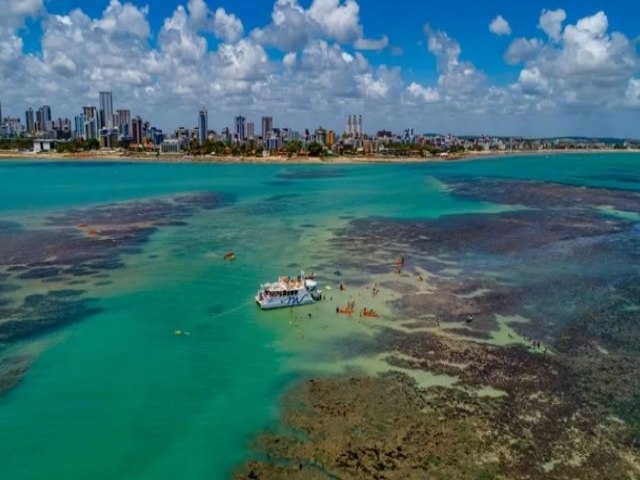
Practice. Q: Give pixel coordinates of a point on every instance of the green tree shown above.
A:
(315, 149)
(91, 144)
(294, 147)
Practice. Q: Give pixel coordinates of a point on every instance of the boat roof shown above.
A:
(284, 285)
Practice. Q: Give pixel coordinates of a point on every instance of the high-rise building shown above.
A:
(123, 123)
(136, 130)
(46, 118)
(203, 126)
(106, 110)
(251, 130)
(79, 126)
(241, 129)
(43, 119)
(39, 120)
(91, 129)
(267, 126)
(1, 122)
(331, 138)
(354, 126)
(30, 121)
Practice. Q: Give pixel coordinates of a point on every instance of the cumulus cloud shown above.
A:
(459, 81)
(633, 92)
(381, 84)
(292, 26)
(20, 9)
(337, 20)
(500, 26)
(522, 50)
(290, 59)
(125, 19)
(426, 94)
(551, 22)
(370, 44)
(581, 65)
(227, 26)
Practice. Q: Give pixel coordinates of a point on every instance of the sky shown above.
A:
(497, 67)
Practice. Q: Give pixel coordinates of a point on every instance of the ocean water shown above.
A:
(120, 394)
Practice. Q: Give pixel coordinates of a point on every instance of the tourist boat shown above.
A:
(288, 292)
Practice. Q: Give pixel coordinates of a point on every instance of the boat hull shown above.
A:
(284, 302)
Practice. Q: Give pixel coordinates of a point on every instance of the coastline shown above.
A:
(115, 156)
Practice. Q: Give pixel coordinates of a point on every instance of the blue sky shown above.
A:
(547, 68)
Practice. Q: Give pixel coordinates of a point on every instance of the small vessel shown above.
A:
(288, 292)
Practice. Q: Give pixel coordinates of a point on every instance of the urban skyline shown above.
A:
(534, 70)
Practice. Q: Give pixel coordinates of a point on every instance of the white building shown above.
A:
(171, 146)
(44, 145)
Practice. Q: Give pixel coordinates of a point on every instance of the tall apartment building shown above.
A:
(203, 126)
(241, 128)
(267, 126)
(106, 110)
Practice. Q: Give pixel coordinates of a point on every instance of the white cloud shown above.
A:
(533, 82)
(198, 12)
(292, 26)
(551, 22)
(339, 21)
(426, 94)
(500, 26)
(125, 19)
(633, 92)
(459, 81)
(20, 8)
(179, 40)
(522, 50)
(290, 59)
(227, 26)
(581, 66)
(370, 44)
(381, 84)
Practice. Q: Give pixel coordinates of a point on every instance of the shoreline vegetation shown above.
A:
(151, 157)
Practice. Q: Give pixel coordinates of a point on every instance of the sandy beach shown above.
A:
(118, 156)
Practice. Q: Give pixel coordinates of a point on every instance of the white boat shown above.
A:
(288, 292)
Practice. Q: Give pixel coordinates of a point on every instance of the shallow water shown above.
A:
(121, 395)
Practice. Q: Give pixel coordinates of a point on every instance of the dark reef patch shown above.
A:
(39, 273)
(43, 312)
(12, 370)
(545, 195)
(9, 226)
(285, 197)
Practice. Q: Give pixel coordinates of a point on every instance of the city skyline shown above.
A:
(539, 69)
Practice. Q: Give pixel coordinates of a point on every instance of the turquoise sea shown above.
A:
(120, 394)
